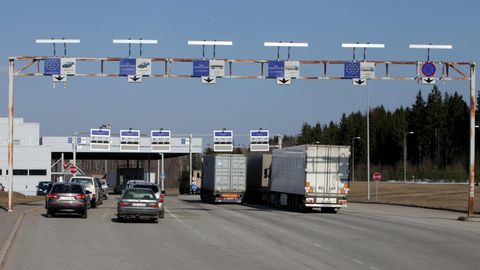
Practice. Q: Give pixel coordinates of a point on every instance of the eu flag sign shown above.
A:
(351, 70)
(52, 66)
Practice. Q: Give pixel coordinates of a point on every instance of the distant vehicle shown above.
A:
(131, 183)
(224, 178)
(144, 65)
(68, 64)
(310, 176)
(104, 186)
(138, 203)
(158, 194)
(42, 188)
(89, 184)
(67, 198)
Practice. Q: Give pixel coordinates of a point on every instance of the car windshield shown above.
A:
(154, 188)
(82, 181)
(64, 188)
(139, 194)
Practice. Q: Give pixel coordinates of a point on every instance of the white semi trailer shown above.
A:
(310, 176)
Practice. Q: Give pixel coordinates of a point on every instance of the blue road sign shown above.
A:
(223, 134)
(99, 132)
(128, 66)
(259, 133)
(201, 68)
(130, 133)
(276, 69)
(161, 134)
(163, 176)
(52, 66)
(70, 140)
(194, 187)
(428, 69)
(351, 70)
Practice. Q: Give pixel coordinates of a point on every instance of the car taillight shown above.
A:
(81, 197)
(123, 204)
(161, 198)
(52, 196)
(154, 205)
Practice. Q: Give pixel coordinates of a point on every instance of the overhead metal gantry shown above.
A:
(324, 70)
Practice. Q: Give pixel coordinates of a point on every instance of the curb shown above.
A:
(6, 245)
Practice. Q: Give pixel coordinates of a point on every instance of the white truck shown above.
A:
(310, 176)
(224, 178)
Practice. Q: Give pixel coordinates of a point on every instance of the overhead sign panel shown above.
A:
(68, 66)
(359, 82)
(429, 69)
(201, 68)
(144, 66)
(160, 140)
(351, 70)
(134, 78)
(428, 80)
(367, 70)
(130, 140)
(59, 78)
(209, 80)
(128, 66)
(52, 66)
(276, 69)
(100, 139)
(222, 140)
(292, 69)
(217, 68)
(284, 81)
(259, 140)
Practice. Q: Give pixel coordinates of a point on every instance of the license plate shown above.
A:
(65, 198)
(138, 204)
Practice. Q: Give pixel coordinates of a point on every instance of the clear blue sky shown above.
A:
(184, 105)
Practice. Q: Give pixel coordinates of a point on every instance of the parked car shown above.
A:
(138, 203)
(158, 194)
(89, 184)
(104, 186)
(42, 188)
(67, 198)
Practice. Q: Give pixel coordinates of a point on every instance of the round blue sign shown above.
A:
(428, 69)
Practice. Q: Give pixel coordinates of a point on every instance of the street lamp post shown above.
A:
(353, 157)
(405, 155)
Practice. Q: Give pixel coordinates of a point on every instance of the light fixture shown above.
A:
(210, 42)
(363, 45)
(285, 44)
(135, 41)
(430, 46)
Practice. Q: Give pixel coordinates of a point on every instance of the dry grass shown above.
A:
(438, 196)
(17, 199)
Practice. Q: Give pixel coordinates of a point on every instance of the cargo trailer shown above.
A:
(310, 176)
(258, 178)
(224, 178)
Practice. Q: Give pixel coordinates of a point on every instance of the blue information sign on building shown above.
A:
(259, 133)
(201, 68)
(130, 133)
(160, 133)
(99, 132)
(128, 66)
(223, 134)
(276, 69)
(52, 66)
(351, 70)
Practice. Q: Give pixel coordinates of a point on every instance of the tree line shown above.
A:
(436, 132)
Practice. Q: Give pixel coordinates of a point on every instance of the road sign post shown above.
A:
(377, 177)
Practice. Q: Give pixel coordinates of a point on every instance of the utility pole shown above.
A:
(190, 171)
(74, 145)
(405, 155)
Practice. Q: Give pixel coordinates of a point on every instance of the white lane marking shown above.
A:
(357, 261)
(179, 220)
(320, 246)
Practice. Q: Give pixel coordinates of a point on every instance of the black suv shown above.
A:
(42, 188)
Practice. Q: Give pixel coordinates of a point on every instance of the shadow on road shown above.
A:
(131, 220)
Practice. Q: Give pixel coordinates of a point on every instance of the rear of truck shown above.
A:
(310, 176)
(224, 178)
(326, 184)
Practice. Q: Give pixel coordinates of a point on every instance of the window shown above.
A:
(67, 188)
(38, 172)
(20, 172)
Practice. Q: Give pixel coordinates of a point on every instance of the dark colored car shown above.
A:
(138, 203)
(67, 198)
(42, 188)
(158, 194)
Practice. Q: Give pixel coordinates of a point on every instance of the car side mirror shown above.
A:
(88, 192)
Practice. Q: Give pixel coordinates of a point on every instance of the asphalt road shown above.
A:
(201, 236)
